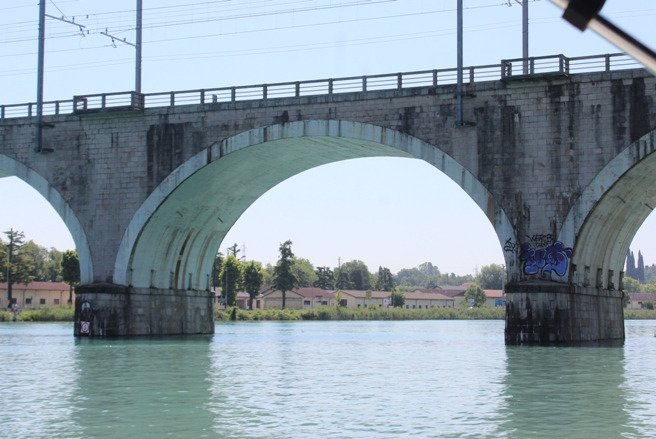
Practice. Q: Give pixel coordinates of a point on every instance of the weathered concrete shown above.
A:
(555, 313)
(116, 310)
(557, 163)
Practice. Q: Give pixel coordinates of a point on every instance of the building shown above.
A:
(641, 300)
(37, 295)
(363, 299)
(428, 298)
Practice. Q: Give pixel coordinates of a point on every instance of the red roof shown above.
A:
(41, 286)
(493, 294)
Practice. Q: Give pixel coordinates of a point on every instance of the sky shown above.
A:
(389, 212)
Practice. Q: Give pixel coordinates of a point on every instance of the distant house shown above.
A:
(641, 300)
(36, 295)
(428, 298)
(495, 298)
(298, 298)
(363, 299)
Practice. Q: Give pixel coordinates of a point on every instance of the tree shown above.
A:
(35, 257)
(630, 284)
(15, 264)
(385, 280)
(492, 277)
(230, 279)
(474, 296)
(410, 277)
(640, 269)
(358, 274)
(630, 265)
(343, 282)
(70, 267)
(397, 299)
(283, 277)
(53, 266)
(325, 278)
(252, 279)
(304, 272)
(216, 270)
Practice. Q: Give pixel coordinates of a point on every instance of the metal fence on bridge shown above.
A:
(507, 69)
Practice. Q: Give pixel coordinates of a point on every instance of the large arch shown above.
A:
(609, 213)
(10, 167)
(182, 223)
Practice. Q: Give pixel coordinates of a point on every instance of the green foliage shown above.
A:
(304, 272)
(359, 277)
(426, 275)
(397, 299)
(630, 284)
(216, 270)
(384, 280)
(283, 277)
(343, 282)
(325, 278)
(230, 278)
(51, 314)
(474, 295)
(70, 267)
(369, 313)
(492, 277)
(252, 277)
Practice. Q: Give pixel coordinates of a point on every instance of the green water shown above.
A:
(420, 379)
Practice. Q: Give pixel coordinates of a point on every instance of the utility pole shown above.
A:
(459, 112)
(39, 79)
(137, 62)
(525, 35)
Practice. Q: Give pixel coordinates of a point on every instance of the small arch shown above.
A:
(10, 166)
(610, 211)
(249, 164)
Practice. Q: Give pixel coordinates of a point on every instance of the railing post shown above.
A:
(2, 111)
(607, 62)
(564, 64)
(264, 91)
(233, 94)
(364, 83)
(434, 77)
(330, 86)
(506, 69)
(471, 75)
(29, 109)
(103, 101)
(531, 67)
(172, 99)
(56, 107)
(297, 89)
(202, 96)
(137, 100)
(399, 81)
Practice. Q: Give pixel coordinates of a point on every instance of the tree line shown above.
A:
(25, 262)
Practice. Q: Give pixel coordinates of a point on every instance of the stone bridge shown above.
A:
(560, 162)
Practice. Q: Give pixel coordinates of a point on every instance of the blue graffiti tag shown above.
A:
(554, 257)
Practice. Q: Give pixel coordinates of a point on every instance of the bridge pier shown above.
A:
(109, 310)
(543, 312)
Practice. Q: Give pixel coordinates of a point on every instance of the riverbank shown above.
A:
(65, 314)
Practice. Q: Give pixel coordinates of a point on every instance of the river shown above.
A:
(362, 379)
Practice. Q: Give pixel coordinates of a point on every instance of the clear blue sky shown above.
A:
(390, 212)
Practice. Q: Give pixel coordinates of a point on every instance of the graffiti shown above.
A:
(540, 261)
(541, 241)
(510, 246)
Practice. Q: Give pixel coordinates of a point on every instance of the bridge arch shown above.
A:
(609, 213)
(183, 221)
(11, 167)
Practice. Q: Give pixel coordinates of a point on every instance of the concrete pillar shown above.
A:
(109, 310)
(544, 312)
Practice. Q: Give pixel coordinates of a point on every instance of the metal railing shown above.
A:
(506, 70)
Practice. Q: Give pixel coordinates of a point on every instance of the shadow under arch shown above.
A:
(10, 167)
(183, 221)
(610, 211)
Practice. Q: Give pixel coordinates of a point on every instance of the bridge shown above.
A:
(560, 160)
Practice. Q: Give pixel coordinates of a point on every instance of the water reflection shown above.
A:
(142, 388)
(565, 392)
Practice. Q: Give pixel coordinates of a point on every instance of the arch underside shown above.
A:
(608, 230)
(10, 167)
(176, 245)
